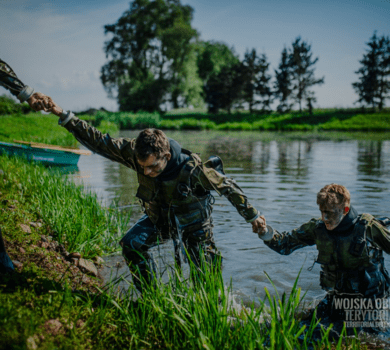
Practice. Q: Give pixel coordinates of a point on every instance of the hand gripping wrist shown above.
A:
(254, 218)
(267, 235)
(25, 94)
(65, 117)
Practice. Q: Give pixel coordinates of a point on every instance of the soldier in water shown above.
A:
(174, 187)
(350, 251)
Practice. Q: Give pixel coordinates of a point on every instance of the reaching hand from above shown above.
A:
(259, 225)
(42, 102)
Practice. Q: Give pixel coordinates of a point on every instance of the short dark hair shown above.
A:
(333, 194)
(151, 141)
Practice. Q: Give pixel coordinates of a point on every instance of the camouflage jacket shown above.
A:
(306, 235)
(121, 150)
(350, 256)
(9, 80)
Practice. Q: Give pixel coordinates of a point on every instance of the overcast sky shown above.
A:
(56, 46)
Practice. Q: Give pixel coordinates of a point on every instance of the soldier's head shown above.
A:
(334, 203)
(152, 150)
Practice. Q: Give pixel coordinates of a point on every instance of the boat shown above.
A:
(40, 152)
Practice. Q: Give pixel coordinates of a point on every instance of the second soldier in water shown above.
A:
(350, 251)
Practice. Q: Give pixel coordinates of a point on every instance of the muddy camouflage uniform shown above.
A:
(351, 259)
(9, 80)
(177, 207)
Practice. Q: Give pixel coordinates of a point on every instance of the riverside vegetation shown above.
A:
(19, 123)
(46, 304)
(321, 120)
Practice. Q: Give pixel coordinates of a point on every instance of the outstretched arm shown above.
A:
(211, 179)
(286, 242)
(117, 149)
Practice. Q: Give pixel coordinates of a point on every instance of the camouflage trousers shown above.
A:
(145, 235)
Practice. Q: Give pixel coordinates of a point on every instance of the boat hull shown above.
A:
(41, 155)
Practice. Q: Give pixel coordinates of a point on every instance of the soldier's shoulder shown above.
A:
(367, 217)
(312, 224)
(376, 225)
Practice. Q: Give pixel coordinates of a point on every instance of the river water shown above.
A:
(280, 175)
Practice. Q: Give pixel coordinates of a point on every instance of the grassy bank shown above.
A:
(73, 216)
(36, 127)
(321, 120)
(49, 304)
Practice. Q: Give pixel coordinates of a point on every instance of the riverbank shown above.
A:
(321, 120)
(50, 303)
(37, 127)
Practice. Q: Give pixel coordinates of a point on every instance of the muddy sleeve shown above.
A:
(380, 236)
(13, 85)
(210, 179)
(120, 150)
(286, 242)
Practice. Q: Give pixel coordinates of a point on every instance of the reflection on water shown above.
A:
(281, 178)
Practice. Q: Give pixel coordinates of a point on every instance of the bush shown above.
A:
(235, 126)
(188, 124)
(10, 106)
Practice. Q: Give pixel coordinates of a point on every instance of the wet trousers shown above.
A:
(145, 235)
(347, 310)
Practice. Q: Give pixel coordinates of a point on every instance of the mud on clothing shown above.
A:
(351, 259)
(177, 203)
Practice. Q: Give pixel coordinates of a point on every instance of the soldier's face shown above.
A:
(332, 215)
(153, 166)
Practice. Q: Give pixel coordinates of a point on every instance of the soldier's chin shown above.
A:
(153, 175)
(330, 227)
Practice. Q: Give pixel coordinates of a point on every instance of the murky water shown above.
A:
(281, 178)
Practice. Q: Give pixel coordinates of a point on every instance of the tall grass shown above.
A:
(186, 313)
(178, 315)
(73, 213)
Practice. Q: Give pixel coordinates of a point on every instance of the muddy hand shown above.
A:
(42, 102)
(259, 225)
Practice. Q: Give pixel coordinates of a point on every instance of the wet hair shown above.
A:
(334, 195)
(151, 141)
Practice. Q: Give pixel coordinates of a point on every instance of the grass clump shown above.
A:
(9, 106)
(48, 304)
(74, 215)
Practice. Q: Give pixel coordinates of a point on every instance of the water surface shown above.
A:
(281, 177)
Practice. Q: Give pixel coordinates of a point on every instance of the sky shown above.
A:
(56, 46)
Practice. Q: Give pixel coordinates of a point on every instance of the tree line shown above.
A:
(156, 59)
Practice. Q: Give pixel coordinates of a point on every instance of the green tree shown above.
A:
(302, 71)
(148, 52)
(219, 68)
(384, 71)
(212, 57)
(374, 85)
(283, 83)
(192, 85)
(256, 82)
(224, 90)
(263, 84)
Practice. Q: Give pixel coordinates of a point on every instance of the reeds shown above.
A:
(188, 312)
(72, 212)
